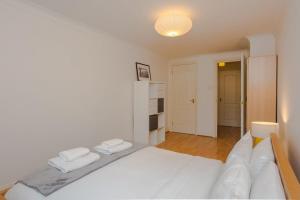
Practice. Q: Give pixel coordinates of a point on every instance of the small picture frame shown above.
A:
(143, 72)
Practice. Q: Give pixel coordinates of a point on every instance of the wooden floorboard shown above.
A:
(216, 148)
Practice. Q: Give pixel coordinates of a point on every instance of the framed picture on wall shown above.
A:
(143, 72)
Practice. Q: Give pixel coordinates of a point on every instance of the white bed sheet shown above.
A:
(147, 173)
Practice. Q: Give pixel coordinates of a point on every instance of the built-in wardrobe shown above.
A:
(261, 89)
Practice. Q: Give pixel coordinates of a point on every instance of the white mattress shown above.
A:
(148, 173)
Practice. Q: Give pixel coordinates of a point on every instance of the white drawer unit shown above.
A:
(149, 112)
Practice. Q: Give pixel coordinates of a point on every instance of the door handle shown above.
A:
(192, 100)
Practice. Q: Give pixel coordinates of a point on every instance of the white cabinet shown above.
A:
(149, 112)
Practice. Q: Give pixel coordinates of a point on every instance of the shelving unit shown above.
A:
(149, 112)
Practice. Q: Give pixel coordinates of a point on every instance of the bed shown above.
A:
(154, 173)
(147, 173)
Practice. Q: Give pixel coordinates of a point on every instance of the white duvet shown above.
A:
(147, 173)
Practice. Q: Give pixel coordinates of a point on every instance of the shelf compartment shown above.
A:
(161, 135)
(156, 91)
(153, 137)
(153, 122)
(160, 105)
(161, 120)
(153, 106)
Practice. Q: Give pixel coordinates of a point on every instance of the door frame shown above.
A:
(242, 59)
(171, 94)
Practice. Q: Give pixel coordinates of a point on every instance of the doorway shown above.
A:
(231, 95)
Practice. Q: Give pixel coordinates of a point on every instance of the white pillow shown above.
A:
(242, 149)
(262, 154)
(268, 184)
(234, 181)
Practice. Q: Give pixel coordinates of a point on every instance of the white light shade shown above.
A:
(173, 25)
(263, 129)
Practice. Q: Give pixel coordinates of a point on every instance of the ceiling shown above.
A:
(218, 25)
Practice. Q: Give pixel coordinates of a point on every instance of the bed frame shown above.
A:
(2, 193)
(289, 180)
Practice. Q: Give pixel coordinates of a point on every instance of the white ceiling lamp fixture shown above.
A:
(173, 25)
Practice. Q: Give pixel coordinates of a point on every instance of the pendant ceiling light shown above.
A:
(173, 25)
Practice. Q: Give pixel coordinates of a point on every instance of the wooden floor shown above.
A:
(216, 148)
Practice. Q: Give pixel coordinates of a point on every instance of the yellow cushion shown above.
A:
(257, 140)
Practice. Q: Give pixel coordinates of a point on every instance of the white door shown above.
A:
(184, 99)
(229, 98)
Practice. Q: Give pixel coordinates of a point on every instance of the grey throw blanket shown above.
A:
(51, 179)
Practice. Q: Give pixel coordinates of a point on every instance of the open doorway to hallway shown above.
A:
(230, 91)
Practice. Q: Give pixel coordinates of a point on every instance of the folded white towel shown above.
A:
(113, 142)
(114, 149)
(66, 167)
(73, 154)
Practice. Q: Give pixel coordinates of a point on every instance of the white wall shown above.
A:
(289, 82)
(62, 85)
(207, 89)
(262, 45)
